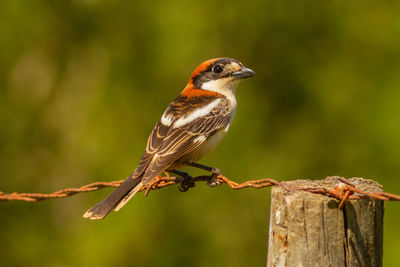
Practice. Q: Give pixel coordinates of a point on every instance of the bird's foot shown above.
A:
(188, 181)
(213, 182)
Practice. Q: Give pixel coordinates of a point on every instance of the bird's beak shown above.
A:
(244, 73)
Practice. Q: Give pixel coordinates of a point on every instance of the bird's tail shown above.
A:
(116, 199)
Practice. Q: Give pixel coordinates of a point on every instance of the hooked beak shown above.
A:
(244, 73)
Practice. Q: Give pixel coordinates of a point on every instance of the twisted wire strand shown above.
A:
(343, 191)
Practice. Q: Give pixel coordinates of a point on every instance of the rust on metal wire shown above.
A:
(343, 191)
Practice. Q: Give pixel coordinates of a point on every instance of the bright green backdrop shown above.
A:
(82, 84)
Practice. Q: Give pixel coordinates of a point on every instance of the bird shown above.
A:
(192, 126)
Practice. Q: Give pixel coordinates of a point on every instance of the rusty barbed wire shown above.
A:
(343, 191)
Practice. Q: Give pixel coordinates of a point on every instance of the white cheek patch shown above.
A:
(214, 85)
(224, 86)
(200, 112)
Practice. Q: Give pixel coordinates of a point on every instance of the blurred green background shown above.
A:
(83, 83)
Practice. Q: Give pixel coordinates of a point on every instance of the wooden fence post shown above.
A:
(309, 229)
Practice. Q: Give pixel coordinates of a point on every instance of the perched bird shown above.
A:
(191, 127)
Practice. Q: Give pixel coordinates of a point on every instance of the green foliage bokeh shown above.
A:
(82, 84)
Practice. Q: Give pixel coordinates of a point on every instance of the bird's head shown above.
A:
(219, 74)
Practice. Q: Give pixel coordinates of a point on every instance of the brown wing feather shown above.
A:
(153, 144)
(181, 106)
(179, 142)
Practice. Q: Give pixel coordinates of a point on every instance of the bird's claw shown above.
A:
(183, 187)
(186, 183)
(213, 182)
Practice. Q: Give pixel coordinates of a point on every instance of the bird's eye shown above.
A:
(218, 69)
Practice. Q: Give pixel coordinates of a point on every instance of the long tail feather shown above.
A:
(128, 197)
(101, 209)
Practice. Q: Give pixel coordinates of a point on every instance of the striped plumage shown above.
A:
(192, 125)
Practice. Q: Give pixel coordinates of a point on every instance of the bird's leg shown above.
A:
(212, 182)
(187, 180)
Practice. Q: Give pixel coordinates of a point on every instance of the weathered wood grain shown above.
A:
(309, 230)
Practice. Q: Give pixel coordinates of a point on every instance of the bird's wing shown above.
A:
(185, 133)
(174, 138)
(180, 108)
(153, 144)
